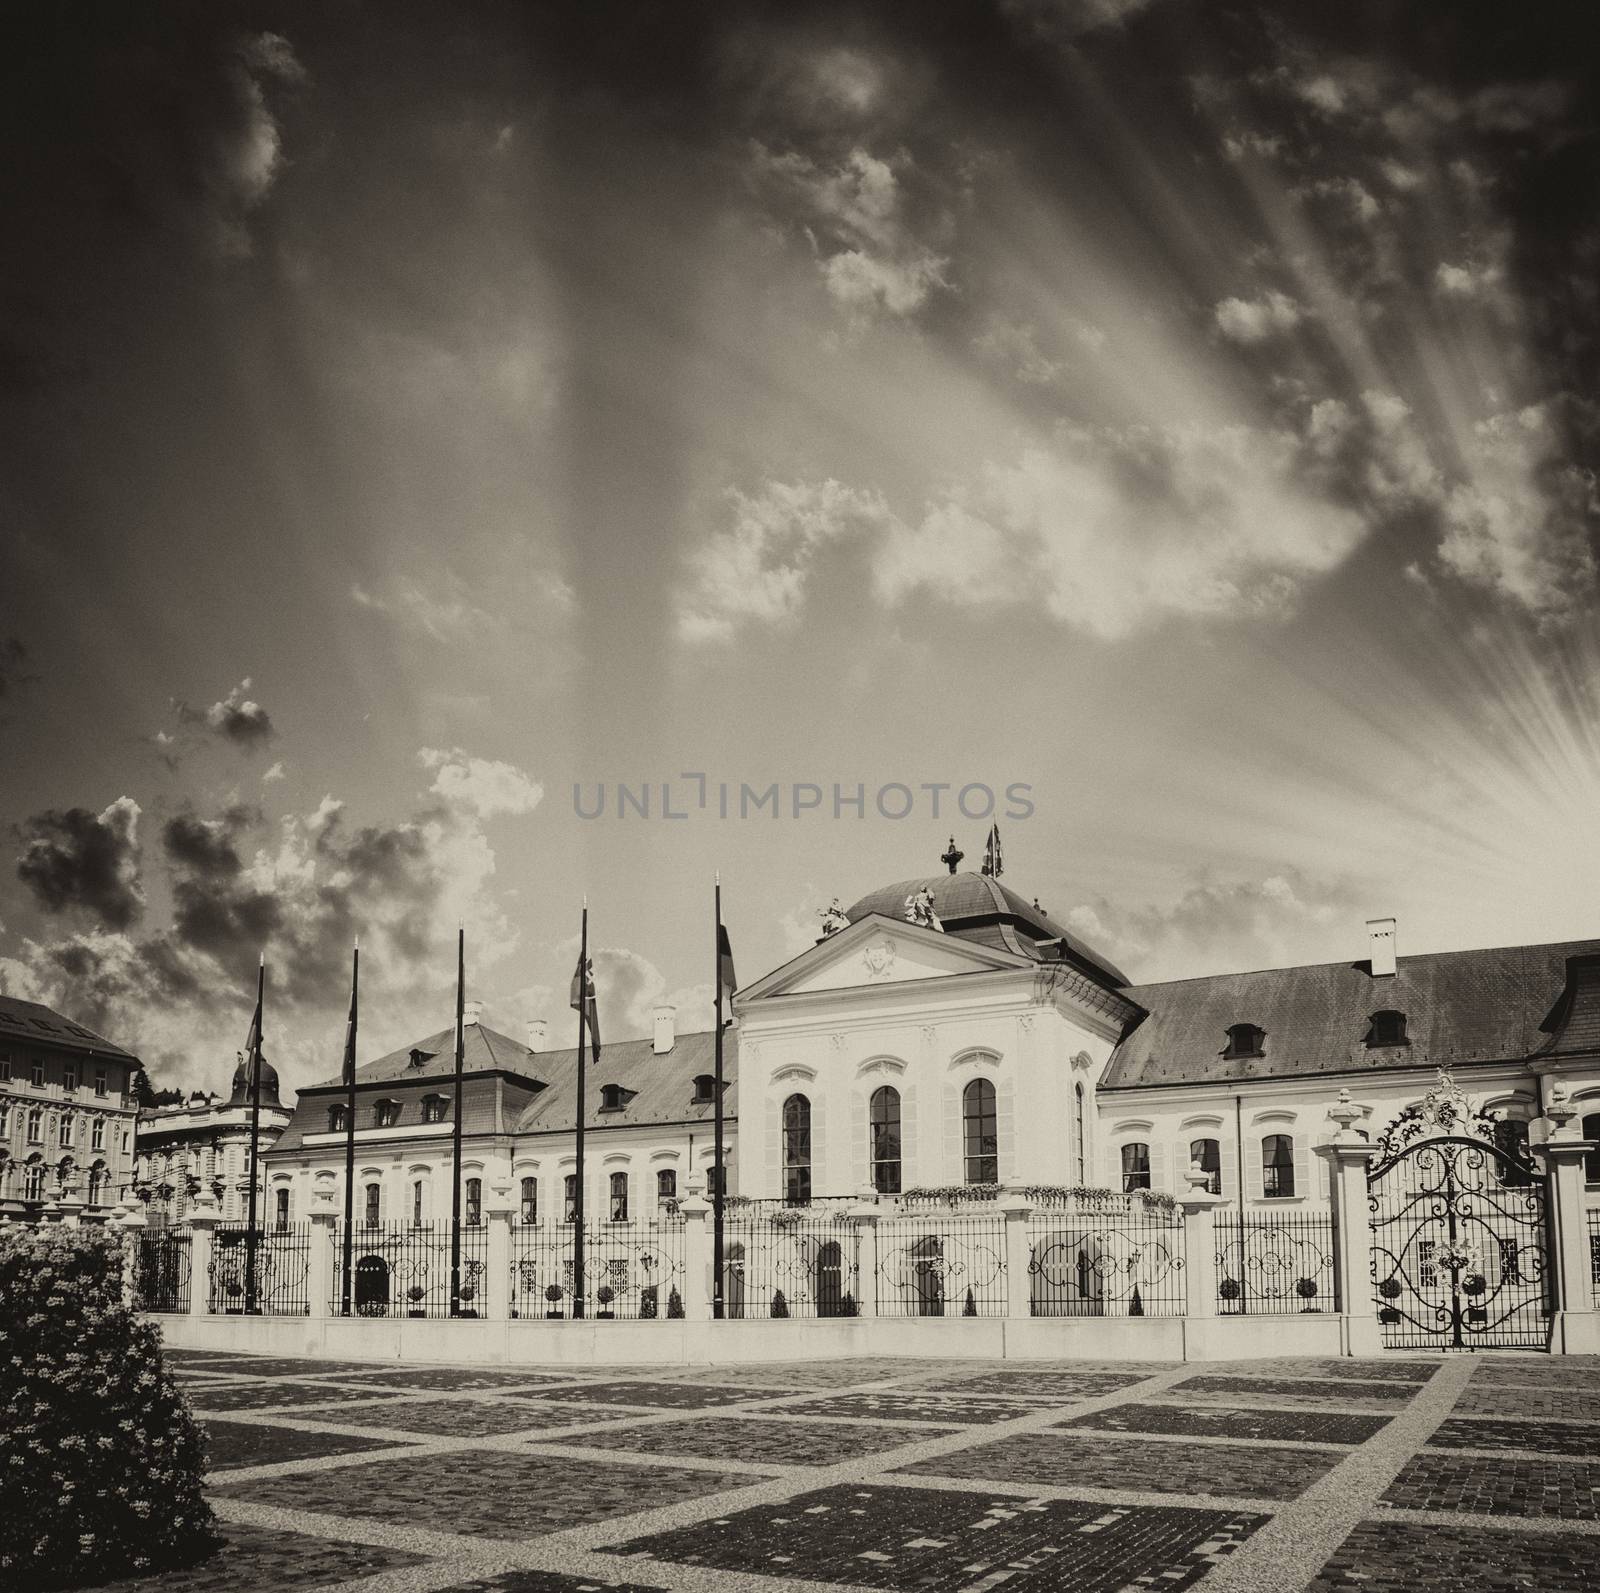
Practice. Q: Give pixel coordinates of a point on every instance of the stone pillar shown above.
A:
(130, 1222)
(1349, 1158)
(321, 1267)
(70, 1209)
(202, 1228)
(1576, 1326)
(864, 1214)
(696, 1255)
(1199, 1207)
(499, 1212)
(1016, 1209)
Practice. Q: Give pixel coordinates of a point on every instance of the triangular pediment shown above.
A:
(880, 951)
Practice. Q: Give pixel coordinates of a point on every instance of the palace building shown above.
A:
(66, 1115)
(944, 1031)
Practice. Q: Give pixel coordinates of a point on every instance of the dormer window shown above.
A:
(613, 1097)
(337, 1119)
(386, 1114)
(420, 1058)
(705, 1089)
(433, 1109)
(1387, 1028)
(1245, 1039)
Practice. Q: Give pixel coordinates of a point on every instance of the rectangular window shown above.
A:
(372, 1204)
(281, 1215)
(1135, 1166)
(99, 1081)
(530, 1200)
(716, 1183)
(1206, 1155)
(1277, 1167)
(416, 1203)
(5, 1067)
(36, 1073)
(66, 1130)
(97, 1134)
(666, 1184)
(69, 1079)
(474, 1202)
(619, 1197)
(569, 1198)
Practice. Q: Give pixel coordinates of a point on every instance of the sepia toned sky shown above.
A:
(1186, 410)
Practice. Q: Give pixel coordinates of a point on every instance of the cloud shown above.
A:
(1465, 281)
(1280, 920)
(1061, 21)
(1255, 320)
(85, 861)
(236, 719)
(274, 773)
(13, 667)
(487, 788)
(858, 217)
(1112, 530)
(756, 571)
(246, 154)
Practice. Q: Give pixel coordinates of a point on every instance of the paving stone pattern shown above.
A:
(1083, 1477)
(1060, 1460)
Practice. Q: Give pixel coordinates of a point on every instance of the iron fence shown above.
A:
(784, 1260)
(1277, 1264)
(161, 1278)
(282, 1270)
(1594, 1255)
(942, 1262)
(631, 1270)
(1117, 1255)
(403, 1269)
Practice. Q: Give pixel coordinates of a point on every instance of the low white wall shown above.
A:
(679, 1343)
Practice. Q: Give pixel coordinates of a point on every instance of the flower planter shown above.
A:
(606, 1316)
(554, 1316)
(416, 1311)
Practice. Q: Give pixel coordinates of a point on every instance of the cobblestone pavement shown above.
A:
(1083, 1477)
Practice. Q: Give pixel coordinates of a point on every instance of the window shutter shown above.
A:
(1303, 1179)
(821, 1181)
(1228, 1168)
(774, 1147)
(1158, 1152)
(1252, 1167)
(1005, 1129)
(910, 1151)
(1324, 1177)
(860, 1140)
(955, 1170)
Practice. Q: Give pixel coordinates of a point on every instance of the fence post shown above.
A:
(202, 1242)
(1199, 1207)
(1016, 1209)
(1349, 1158)
(697, 1280)
(864, 1214)
(320, 1270)
(497, 1258)
(131, 1222)
(1576, 1327)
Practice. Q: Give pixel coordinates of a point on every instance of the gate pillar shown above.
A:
(322, 1264)
(1199, 1244)
(202, 1230)
(1576, 1328)
(1349, 1158)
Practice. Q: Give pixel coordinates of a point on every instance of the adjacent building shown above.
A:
(67, 1115)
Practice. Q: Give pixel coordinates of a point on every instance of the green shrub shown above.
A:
(102, 1462)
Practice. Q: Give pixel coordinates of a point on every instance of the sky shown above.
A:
(418, 420)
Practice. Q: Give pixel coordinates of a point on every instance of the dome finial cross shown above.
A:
(952, 858)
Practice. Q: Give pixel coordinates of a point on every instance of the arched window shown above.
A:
(1135, 1166)
(1277, 1166)
(1244, 1039)
(1591, 1160)
(472, 1204)
(530, 1200)
(372, 1202)
(419, 1201)
(797, 1151)
(1206, 1154)
(884, 1116)
(281, 1214)
(1080, 1157)
(619, 1197)
(569, 1198)
(1386, 1028)
(1511, 1135)
(980, 1133)
(666, 1184)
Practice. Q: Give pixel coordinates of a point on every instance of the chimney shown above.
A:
(1380, 946)
(472, 1013)
(538, 1034)
(665, 1037)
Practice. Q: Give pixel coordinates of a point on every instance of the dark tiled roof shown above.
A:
(1459, 1006)
(509, 1089)
(979, 908)
(31, 1021)
(1573, 1025)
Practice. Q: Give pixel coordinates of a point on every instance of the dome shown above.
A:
(978, 907)
(240, 1093)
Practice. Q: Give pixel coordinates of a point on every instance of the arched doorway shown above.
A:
(372, 1286)
(829, 1276)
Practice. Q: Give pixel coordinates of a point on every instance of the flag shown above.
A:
(252, 1044)
(727, 980)
(992, 864)
(349, 1074)
(583, 1000)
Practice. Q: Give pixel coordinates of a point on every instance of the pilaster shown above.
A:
(1016, 1209)
(1350, 1158)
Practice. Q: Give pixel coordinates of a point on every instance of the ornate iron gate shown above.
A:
(1461, 1254)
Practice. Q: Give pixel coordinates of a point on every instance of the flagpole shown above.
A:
(718, 1179)
(251, 1303)
(577, 1203)
(350, 1135)
(455, 1134)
